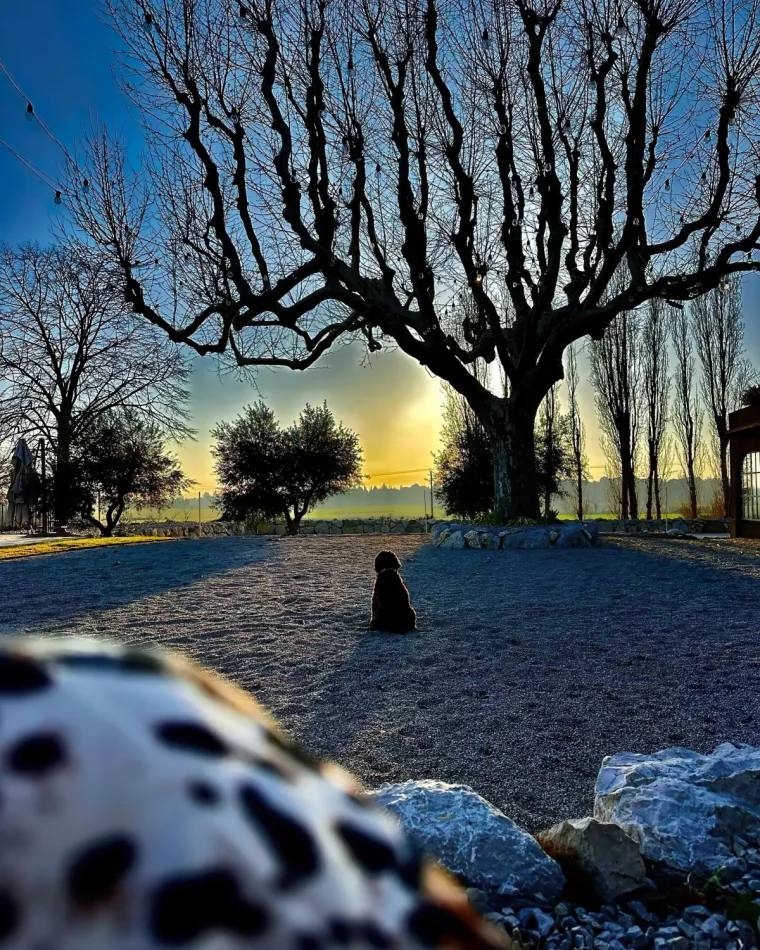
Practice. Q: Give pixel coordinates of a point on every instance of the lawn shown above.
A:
(59, 545)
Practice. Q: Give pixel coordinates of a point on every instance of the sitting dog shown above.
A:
(391, 608)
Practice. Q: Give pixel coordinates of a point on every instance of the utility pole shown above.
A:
(199, 514)
(44, 488)
(432, 496)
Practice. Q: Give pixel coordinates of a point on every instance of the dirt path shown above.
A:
(528, 669)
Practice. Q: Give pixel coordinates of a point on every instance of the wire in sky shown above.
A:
(35, 115)
(38, 172)
(406, 471)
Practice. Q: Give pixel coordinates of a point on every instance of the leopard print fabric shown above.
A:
(145, 804)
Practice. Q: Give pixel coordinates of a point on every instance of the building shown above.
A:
(744, 449)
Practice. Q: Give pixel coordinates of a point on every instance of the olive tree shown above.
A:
(267, 470)
(120, 460)
(321, 171)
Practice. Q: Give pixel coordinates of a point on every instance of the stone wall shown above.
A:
(659, 526)
(189, 529)
(564, 534)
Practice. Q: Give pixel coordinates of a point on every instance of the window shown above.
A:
(751, 486)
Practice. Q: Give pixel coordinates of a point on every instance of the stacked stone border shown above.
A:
(318, 526)
(189, 529)
(565, 534)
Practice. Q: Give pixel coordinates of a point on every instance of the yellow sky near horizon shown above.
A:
(393, 403)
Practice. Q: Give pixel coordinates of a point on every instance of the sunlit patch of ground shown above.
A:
(529, 666)
(58, 545)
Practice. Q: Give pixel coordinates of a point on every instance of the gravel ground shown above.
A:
(528, 668)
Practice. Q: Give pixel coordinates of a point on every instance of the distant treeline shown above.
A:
(387, 500)
(600, 495)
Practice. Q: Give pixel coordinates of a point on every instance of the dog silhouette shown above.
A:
(391, 608)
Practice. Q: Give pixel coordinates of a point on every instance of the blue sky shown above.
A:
(62, 57)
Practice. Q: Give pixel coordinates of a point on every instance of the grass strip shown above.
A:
(60, 545)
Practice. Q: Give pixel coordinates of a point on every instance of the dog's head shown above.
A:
(387, 560)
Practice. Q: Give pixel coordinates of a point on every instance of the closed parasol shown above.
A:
(22, 462)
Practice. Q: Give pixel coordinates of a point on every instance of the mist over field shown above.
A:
(413, 501)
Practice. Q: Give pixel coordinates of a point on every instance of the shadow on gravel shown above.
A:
(531, 666)
(36, 592)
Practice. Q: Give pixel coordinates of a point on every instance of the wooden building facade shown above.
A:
(744, 449)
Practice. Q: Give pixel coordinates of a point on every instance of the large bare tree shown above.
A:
(616, 375)
(688, 413)
(719, 337)
(321, 171)
(71, 351)
(656, 383)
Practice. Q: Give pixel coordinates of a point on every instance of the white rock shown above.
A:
(482, 540)
(573, 536)
(592, 530)
(683, 808)
(535, 538)
(599, 852)
(489, 542)
(454, 540)
(472, 838)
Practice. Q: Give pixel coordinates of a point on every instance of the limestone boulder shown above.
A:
(472, 838)
(454, 540)
(592, 530)
(684, 809)
(482, 540)
(601, 854)
(573, 536)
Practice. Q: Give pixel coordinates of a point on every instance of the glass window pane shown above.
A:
(751, 486)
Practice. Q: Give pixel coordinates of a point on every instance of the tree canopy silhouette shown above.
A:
(464, 181)
(267, 471)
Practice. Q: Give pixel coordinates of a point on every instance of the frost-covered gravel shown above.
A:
(528, 668)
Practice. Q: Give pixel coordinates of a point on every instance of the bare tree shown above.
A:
(719, 336)
(325, 171)
(656, 384)
(580, 467)
(70, 351)
(550, 457)
(616, 374)
(613, 489)
(687, 408)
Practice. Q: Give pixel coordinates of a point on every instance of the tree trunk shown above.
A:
(292, 523)
(658, 505)
(625, 513)
(651, 480)
(724, 479)
(580, 494)
(514, 461)
(633, 502)
(61, 481)
(691, 478)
